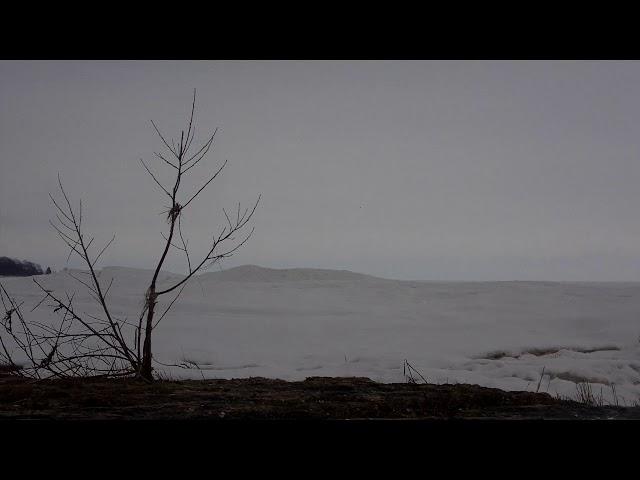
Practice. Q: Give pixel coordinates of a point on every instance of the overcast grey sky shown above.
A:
(418, 170)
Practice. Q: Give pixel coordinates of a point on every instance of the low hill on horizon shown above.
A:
(256, 273)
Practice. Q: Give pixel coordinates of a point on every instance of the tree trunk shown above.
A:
(146, 371)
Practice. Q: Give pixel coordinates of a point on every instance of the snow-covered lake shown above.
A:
(292, 324)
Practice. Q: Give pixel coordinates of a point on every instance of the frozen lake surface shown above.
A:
(296, 323)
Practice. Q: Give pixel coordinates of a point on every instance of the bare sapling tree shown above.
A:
(89, 345)
(181, 159)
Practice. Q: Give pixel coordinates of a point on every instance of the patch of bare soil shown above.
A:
(262, 398)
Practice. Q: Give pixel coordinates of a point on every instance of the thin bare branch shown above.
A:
(204, 186)
(155, 179)
(163, 139)
(103, 250)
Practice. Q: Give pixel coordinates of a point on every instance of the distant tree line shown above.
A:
(10, 267)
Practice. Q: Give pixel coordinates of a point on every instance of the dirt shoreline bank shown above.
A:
(316, 398)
